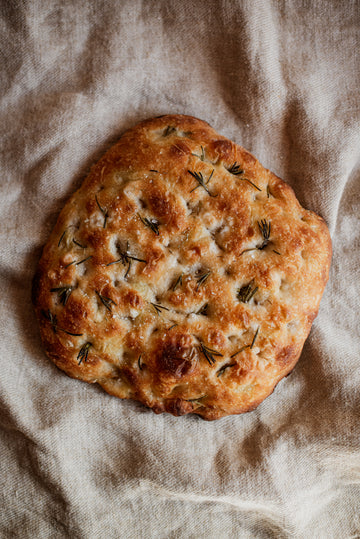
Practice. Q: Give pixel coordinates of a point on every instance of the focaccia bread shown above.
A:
(182, 273)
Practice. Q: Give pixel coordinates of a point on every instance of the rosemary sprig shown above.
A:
(169, 131)
(201, 280)
(103, 211)
(52, 318)
(158, 308)
(84, 352)
(202, 156)
(265, 229)
(153, 224)
(178, 282)
(223, 369)
(237, 171)
(107, 302)
(126, 258)
(209, 353)
(247, 345)
(203, 310)
(63, 293)
(246, 292)
(200, 179)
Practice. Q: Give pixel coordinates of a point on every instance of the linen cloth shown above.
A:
(281, 78)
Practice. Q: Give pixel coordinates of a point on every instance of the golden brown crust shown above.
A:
(182, 273)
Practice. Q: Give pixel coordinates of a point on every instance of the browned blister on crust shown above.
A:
(182, 273)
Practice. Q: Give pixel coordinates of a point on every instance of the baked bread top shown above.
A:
(182, 273)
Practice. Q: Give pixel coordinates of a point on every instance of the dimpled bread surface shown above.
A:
(181, 274)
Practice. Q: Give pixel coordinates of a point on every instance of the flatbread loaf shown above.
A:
(182, 273)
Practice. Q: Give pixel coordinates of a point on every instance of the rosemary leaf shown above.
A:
(239, 351)
(203, 310)
(70, 333)
(103, 211)
(84, 352)
(202, 156)
(114, 262)
(178, 282)
(63, 234)
(223, 369)
(169, 131)
(63, 293)
(254, 339)
(140, 365)
(201, 280)
(237, 171)
(61, 238)
(107, 302)
(173, 326)
(82, 261)
(128, 269)
(77, 263)
(158, 308)
(78, 244)
(153, 224)
(137, 259)
(247, 250)
(246, 292)
(251, 183)
(265, 229)
(196, 399)
(51, 318)
(209, 353)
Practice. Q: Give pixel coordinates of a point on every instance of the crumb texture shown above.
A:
(182, 273)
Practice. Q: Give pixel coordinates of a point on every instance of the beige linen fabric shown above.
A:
(280, 78)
